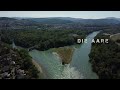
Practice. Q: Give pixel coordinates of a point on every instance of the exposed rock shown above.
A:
(5, 75)
(19, 71)
(5, 68)
(12, 64)
(20, 74)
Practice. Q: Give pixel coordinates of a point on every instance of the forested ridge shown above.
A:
(43, 39)
(105, 58)
(48, 37)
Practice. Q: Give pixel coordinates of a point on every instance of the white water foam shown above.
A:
(70, 73)
(67, 71)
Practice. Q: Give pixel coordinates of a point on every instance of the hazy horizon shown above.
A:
(72, 14)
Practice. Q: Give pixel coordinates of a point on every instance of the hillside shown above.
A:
(68, 20)
(16, 64)
(105, 58)
(11, 22)
(65, 22)
(51, 20)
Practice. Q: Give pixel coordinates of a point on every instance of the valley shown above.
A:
(47, 48)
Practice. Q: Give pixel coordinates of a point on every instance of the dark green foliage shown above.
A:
(43, 39)
(112, 30)
(105, 59)
(27, 64)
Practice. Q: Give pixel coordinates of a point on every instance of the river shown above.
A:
(79, 68)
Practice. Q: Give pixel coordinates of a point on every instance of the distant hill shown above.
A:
(100, 21)
(66, 20)
(10, 22)
(26, 21)
(113, 18)
(51, 20)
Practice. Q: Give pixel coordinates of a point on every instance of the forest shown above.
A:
(105, 58)
(43, 39)
(43, 34)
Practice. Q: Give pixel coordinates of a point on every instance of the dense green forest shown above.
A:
(43, 39)
(105, 58)
(16, 64)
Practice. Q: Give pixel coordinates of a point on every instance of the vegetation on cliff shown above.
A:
(43, 39)
(105, 59)
(16, 64)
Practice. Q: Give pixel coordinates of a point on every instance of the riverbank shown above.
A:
(39, 67)
(107, 64)
(16, 64)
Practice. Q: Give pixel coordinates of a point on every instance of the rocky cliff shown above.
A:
(16, 64)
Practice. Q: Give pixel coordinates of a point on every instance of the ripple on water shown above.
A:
(69, 72)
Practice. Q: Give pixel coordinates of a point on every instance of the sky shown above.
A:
(74, 14)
